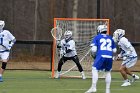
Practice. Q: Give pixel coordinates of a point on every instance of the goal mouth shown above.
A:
(83, 31)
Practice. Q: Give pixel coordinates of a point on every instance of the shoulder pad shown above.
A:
(123, 40)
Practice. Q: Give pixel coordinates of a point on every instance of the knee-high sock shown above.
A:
(108, 79)
(94, 77)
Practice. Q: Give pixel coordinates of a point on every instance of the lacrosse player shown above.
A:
(128, 54)
(7, 40)
(103, 47)
(68, 52)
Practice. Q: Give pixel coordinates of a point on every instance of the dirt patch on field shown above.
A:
(28, 62)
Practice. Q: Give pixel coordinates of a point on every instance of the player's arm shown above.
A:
(93, 51)
(128, 45)
(93, 47)
(114, 49)
(11, 43)
(58, 44)
(12, 40)
(120, 55)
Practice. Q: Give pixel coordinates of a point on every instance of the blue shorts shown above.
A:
(103, 63)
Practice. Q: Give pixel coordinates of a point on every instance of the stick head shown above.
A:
(56, 33)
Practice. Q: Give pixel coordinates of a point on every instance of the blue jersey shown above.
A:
(105, 45)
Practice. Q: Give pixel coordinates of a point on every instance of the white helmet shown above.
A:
(2, 24)
(101, 28)
(67, 35)
(119, 33)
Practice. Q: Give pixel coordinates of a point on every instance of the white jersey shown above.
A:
(125, 45)
(68, 45)
(5, 38)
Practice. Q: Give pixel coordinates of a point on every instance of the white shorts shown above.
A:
(4, 55)
(129, 62)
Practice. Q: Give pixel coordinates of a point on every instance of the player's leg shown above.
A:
(2, 69)
(123, 72)
(76, 60)
(108, 81)
(134, 77)
(108, 66)
(98, 62)
(4, 59)
(94, 81)
(129, 65)
(60, 63)
(124, 75)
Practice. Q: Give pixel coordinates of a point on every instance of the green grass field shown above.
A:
(23, 81)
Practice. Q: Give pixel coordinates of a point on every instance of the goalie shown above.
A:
(7, 40)
(128, 54)
(68, 52)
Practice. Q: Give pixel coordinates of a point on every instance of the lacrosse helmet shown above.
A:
(101, 28)
(2, 24)
(68, 35)
(119, 33)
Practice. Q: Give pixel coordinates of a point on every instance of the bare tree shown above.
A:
(75, 10)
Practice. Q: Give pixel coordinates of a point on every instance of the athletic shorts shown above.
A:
(129, 62)
(4, 55)
(103, 63)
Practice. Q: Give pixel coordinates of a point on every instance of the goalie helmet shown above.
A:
(2, 24)
(119, 33)
(67, 35)
(101, 28)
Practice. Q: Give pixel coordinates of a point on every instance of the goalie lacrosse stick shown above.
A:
(57, 34)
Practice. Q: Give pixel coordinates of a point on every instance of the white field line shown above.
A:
(87, 89)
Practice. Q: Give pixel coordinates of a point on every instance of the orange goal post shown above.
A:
(84, 30)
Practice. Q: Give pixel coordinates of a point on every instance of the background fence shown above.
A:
(31, 55)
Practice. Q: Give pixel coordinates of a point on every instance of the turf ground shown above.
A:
(23, 81)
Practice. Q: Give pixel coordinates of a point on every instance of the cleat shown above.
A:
(83, 77)
(126, 83)
(1, 80)
(57, 75)
(135, 77)
(91, 90)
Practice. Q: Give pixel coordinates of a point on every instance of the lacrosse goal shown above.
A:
(83, 32)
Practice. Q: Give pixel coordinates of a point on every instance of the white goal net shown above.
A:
(83, 32)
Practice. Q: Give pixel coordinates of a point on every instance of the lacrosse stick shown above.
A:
(57, 34)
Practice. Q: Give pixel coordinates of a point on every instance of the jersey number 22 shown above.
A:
(105, 44)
